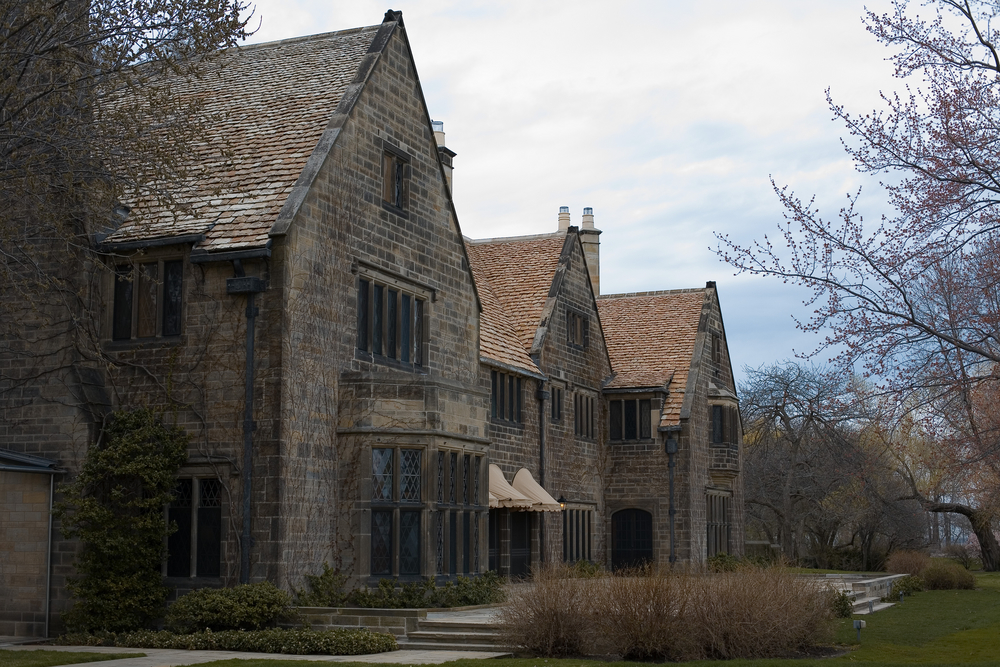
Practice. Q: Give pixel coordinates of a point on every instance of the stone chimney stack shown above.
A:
(590, 238)
(446, 153)
(563, 218)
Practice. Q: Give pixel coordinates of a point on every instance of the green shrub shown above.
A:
(325, 590)
(488, 588)
(115, 508)
(907, 562)
(908, 585)
(841, 604)
(947, 576)
(244, 607)
(585, 569)
(723, 562)
(271, 640)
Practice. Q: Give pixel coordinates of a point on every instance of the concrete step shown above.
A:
(877, 606)
(408, 644)
(432, 636)
(455, 626)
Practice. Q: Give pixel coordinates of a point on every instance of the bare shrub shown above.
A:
(551, 615)
(758, 613)
(907, 562)
(947, 576)
(961, 554)
(644, 615)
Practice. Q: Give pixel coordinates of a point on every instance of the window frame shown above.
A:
(396, 175)
(130, 284)
(577, 329)
(462, 480)
(577, 533)
(556, 407)
(399, 510)
(197, 551)
(585, 415)
(403, 324)
(641, 410)
(506, 398)
(723, 424)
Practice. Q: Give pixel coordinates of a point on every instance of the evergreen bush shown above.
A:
(243, 607)
(115, 508)
(947, 576)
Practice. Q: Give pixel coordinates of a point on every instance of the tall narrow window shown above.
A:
(409, 542)
(381, 474)
(631, 421)
(122, 329)
(391, 324)
(615, 418)
(172, 291)
(195, 548)
(364, 288)
(418, 333)
(396, 515)
(506, 403)
(395, 180)
(145, 320)
(409, 475)
(440, 477)
(381, 541)
(406, 323)
(378, 319)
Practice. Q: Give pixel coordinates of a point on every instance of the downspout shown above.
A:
(250, 286)
(542, 396)
(671, 448)
(48, 560)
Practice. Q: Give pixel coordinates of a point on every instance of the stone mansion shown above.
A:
(412, 403)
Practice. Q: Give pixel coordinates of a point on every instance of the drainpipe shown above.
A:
(542, 396)
(251, 286)
(48, 560)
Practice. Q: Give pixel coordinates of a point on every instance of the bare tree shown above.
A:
(912, 300)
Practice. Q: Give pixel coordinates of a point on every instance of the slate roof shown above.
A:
(269, 104)
(650, 338)
(514, 276)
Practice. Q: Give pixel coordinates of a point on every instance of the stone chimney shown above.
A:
(590, 238)
(446, 153)
(563, 218)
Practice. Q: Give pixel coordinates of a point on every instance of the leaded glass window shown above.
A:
(440, 477)
(453, 470)
(475, 541)
(195, 548)
(409, 476)
(439, 517)
(475, 481)
(409, 542)
(465, 479)
(381, 474)
(382, 542)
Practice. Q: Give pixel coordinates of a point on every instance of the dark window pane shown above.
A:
(209, 528)
(388, 181)
(453, 542)
(615, 419)
(377, 319)
(409, 475)
(630, 426)
(645, 419)
(510, 398)
(517, 394)
(465, 479)
(122, 328)
(381, 541)
(363, 287)
(440, 477)
(493, 394)
(381, 474)
(409, 542)
(467, 532)
(179, 542)
(397, 190)
(145, 321)
(501, 404)
(418, 332)
(173, 273)
(452, 472)
(475, 480)
(390, 329)
(717, 423)
(439, 531)
(405, 320)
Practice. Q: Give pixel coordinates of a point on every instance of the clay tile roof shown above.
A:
(514, 276)
(650, 339)
(270, 103)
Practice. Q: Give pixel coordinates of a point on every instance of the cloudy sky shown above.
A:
(666, 117)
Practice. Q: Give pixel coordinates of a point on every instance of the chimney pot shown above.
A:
(588, 218)
(563, 218)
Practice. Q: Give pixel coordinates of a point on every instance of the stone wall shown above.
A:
(24, 541)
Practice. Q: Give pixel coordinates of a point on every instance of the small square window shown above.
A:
(147, 300)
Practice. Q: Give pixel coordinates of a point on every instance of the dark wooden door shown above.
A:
(632, 538)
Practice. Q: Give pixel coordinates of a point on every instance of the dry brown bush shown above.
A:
(672, 615)
(549, 615)
(907, 562)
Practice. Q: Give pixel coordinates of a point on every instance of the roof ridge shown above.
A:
(664, 292)
(302, 38)
(530, 237)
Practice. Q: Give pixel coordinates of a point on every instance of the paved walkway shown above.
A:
(162, 657)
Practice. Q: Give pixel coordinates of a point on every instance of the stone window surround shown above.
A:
(417, 291)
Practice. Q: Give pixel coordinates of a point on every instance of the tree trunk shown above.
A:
(982, 525)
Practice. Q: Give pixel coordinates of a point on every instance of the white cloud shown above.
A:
(666, 117)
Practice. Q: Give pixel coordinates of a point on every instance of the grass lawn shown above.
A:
(933, 628)
(42, 658)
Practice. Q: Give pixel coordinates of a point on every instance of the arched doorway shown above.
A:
(631, 538)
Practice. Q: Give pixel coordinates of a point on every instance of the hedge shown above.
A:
(271, 640)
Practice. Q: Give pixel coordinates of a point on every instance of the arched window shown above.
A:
(631, 538)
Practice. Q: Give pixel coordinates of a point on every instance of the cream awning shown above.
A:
(542, 501)
(505, 495)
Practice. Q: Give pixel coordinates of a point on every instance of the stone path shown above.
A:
(161, 657)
